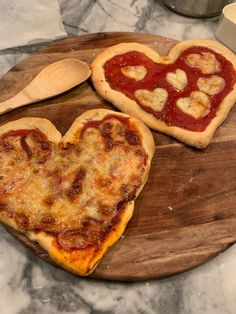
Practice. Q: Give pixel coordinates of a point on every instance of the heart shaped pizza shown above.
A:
(75, 194)
(186, 94)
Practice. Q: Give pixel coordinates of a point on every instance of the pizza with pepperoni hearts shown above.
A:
(186, 94)
(74, 195)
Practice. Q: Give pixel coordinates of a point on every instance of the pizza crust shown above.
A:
(41, 124)
(125, 104)
(80, 262)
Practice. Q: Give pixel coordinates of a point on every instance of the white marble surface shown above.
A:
(29, 285)
(29, 24)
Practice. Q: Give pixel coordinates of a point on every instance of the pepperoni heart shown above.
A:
(155, 99)
(128, 74)
(196, 105)
(178, 79)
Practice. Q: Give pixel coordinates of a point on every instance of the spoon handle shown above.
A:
(23, 98)
(38, 89)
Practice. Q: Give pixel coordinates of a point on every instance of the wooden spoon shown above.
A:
(54, 79)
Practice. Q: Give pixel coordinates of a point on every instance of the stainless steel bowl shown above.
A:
(197, 8)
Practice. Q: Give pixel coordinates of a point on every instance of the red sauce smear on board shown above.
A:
(156, 77)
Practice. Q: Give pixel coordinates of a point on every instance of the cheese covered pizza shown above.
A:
(186, 94)
(75, 194)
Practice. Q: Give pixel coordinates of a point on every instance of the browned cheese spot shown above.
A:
(76, 187)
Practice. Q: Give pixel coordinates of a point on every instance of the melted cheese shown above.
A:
(211, 85)
(206, 62)
(137, 72)
(10, 179)
(178, 79)
(197, 105)
(43, 191)
(155, 99)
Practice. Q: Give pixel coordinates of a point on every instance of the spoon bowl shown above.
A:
(54, 79)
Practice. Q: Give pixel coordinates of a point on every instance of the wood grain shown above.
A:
(186, 213)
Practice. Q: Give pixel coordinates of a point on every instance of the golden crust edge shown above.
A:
(41, 124)
(85, 266)
(81, 267)
(60, 256)
(119, 100)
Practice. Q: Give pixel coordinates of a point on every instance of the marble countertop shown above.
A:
(29, 285)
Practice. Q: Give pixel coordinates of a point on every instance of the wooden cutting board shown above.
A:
(186, 214)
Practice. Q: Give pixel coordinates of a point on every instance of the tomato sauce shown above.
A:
(96, 123)
(156, 77)
(34, 132)
(43, 150)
